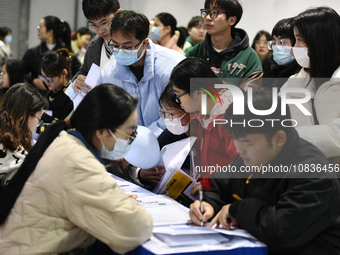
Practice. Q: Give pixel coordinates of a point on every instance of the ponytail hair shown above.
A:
(169, 20)
(54, 62)
(107, 106)
(61, 31)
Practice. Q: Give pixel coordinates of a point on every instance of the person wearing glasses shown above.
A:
(21, 108)
(56, 74)
(214, 145)
(54, 34)
(281, 64)
(226, 48)
(99, 14)
(141, 67)
(62, 198)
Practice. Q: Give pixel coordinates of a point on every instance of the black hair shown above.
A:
(106, 106)
(16, 71)
(96, 9)
(262, 99)
(168, 98)
(284, 28)
(169, 20)
(82, 31)
(191, 67)
(258, 35)
(16, 106)
(194, 21)
(4, 31)
(319, 28)
(61, 31)
(130, 23)
(231, 7)
(54, 62)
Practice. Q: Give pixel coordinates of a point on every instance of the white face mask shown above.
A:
(119, 151)
(301, 56)
(175, 125)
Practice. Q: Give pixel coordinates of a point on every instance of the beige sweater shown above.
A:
(67, 202)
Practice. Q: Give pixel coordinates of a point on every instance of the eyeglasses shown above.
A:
(40, 121)
(126, 49)
(103, 26)
(48, 79)
(213, 13)
(279, 43)
(130, 137)
(180, 95)
(166, 115)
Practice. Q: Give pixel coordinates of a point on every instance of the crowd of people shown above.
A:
(55, 193)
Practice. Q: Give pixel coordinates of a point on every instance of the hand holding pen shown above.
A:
(200, 212)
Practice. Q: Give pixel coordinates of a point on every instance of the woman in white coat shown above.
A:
(317, 51)
(62, 198)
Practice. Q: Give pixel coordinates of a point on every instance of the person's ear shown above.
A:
(64, 72)
(232, 20)
(119, 10)
(101, 133)
(146, 41)
(167, 29)
(280, 138)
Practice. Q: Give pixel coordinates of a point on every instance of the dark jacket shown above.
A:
(92, 55)
(291, 215)
(237, 61)
(33, 58)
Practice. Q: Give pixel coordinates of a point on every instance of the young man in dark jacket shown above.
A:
(99, 14)
(280, 188)
(225, 47)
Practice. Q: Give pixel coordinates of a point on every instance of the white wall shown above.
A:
(257, 14)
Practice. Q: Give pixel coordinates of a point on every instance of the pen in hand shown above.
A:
(201, 201)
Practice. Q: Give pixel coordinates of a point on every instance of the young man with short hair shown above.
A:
(100, 14)
(141, 67)
(294, 209)
(226, 48)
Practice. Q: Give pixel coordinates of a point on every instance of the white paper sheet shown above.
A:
(91, 80)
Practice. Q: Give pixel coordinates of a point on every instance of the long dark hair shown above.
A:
(319, 28)
(107, 106)
(16, 106)
(61, 31)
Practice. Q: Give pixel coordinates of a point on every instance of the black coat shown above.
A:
(291, 215)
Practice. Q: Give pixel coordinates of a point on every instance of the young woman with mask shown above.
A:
(281, 64)
(320, 73)
(163, 32)
(56, 74)
(21, 108)
(62, 198)
(215, 145)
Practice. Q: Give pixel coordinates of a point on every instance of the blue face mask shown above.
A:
(282, 55)
(119, 151)
(156, 36)
(8, 39)
(128, 57)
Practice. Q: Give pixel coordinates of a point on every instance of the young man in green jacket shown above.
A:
(225, 47)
